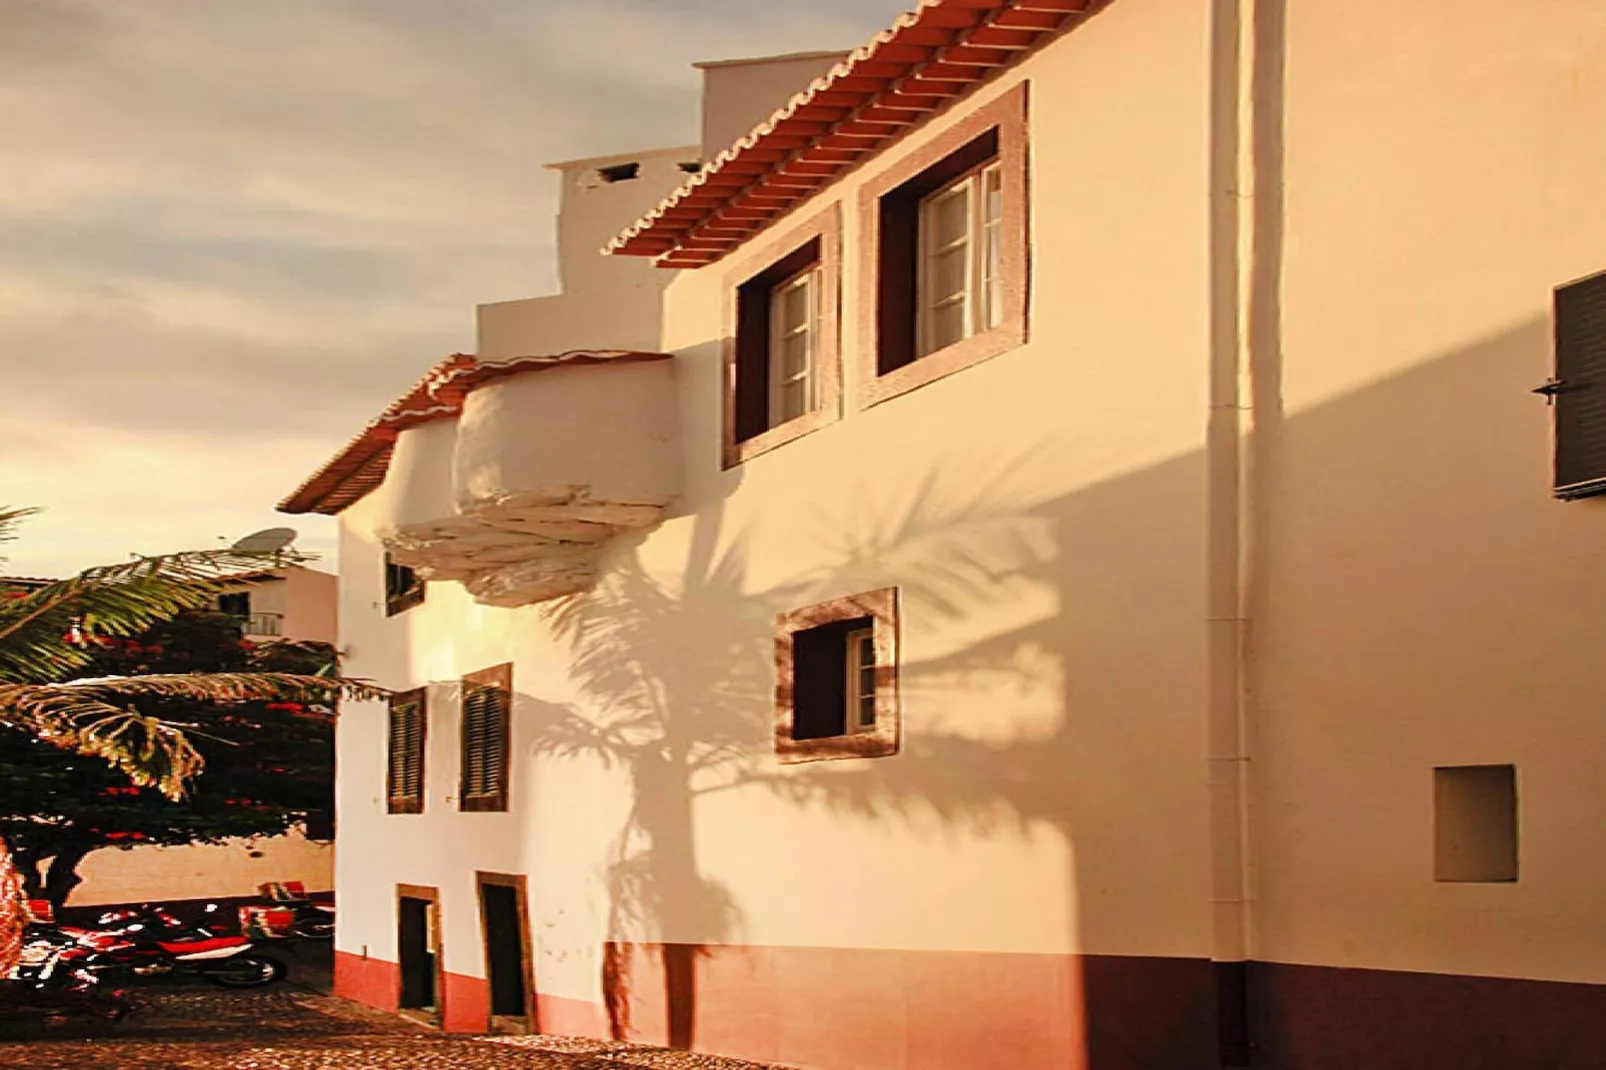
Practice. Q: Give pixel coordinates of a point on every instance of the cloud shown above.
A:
(238, 229)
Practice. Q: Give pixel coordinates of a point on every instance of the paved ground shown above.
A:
(285, 1028)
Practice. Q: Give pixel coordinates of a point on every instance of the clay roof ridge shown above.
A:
(749, 140)
(1036, 20)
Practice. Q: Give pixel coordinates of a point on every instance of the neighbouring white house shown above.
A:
(1063, 537)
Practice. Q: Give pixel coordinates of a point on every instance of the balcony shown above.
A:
(517, 497)
(262, 624)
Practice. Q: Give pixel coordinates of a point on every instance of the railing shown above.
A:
(263, 624)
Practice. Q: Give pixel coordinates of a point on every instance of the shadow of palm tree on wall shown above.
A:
(676, 678)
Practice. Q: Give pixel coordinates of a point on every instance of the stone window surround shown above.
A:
(881, 606)
(1008, 114)
(826, 227)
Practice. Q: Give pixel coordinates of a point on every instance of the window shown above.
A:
(237, 604)
(404, 775)
(1475, 823)
(944, 240)
(403, 588)
(794, 344)
(1579, 388)
(958, 284)
(619, 172)
(836, 679)
(782, 378)
(487, 705)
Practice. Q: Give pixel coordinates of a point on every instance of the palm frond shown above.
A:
(85, 715)
(122, 599)
(10, 516)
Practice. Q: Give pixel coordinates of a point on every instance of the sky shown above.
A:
(231, 231)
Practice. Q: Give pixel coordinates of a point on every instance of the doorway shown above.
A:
(418, 945)
(505, 925)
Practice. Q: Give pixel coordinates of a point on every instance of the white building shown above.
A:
(1073, 578)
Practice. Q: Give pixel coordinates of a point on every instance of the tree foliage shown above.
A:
(268, 764)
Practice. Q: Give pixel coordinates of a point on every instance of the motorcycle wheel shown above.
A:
(246, 971)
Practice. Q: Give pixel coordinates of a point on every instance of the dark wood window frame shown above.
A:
(888, 243)
(746, 318)
(401, 596)
(520, 885)
(498, 678)
(401, 762)
(878, 609)
(1577, 387)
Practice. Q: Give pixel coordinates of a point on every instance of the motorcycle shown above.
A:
(309, 920)
(56, 973)
(151, 942)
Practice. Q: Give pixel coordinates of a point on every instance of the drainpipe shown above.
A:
(1231, 425)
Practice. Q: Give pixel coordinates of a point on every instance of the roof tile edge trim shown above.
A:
(361, 464)
(862, 103)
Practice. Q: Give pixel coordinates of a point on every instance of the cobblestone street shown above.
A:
(286, 1029)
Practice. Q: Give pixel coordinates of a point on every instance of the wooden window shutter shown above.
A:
(487, 706)
(1579, 388)
(404, 774)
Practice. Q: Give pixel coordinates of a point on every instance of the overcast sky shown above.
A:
(232, 230)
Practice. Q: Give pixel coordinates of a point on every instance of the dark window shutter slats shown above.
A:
(1581, 397)
(404, 773)
(486, 706)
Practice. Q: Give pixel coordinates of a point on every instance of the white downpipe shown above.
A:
(1230, 475)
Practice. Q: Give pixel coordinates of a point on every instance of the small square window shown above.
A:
(944, 247)
(404, 588)
(1475, 823)
(782, 378)
(836, 692)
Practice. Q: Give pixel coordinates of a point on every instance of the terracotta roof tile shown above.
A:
(928, 58)
(361, 464)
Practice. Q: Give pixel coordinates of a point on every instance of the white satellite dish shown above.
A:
(266, 541)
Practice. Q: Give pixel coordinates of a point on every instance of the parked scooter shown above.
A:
(149, 941)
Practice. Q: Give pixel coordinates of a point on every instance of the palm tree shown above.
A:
(44, 639)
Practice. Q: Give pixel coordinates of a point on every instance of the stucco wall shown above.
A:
(202, 871)
(310, 599)
(1422, 600)
(1043, 516)
(740, 94)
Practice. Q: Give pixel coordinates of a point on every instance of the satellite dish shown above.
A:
(266, 541)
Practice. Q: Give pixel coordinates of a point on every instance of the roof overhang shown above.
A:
(927, 59)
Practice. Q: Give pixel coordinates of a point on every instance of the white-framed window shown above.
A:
(959, 280)
(861, 680)
(794, 346)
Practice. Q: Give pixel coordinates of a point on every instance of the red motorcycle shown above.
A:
(151, 942)
(55, 974)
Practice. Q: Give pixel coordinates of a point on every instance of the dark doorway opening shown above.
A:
(418, 944)
(505, 923)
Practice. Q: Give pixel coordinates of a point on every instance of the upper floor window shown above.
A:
(959, 286)
(404, 769)
(945, 252)
(486, 736)
(794, 347)
(404, 588)
(1580, 463)
(782, 378)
